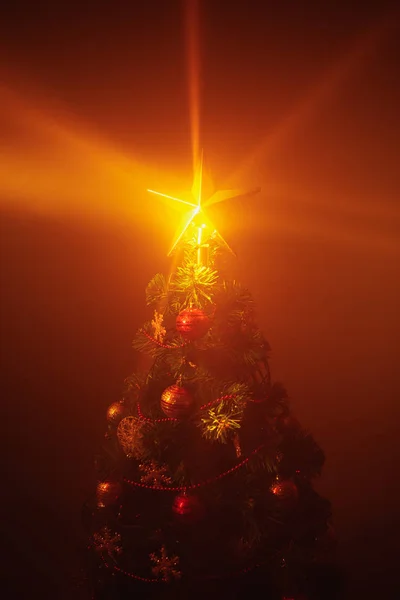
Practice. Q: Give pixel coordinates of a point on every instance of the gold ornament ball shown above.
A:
(108, 493)
(176, 401)
(115, 412)
(192, 323)
(129, 434)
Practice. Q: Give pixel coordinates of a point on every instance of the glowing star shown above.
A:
(196, 214)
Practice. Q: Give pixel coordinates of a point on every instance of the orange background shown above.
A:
(299, 100)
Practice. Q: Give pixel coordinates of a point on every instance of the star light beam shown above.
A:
(197, 208)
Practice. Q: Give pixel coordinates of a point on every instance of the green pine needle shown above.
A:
(220, 426)
(223, 420)
(156, 290)
(195, 282)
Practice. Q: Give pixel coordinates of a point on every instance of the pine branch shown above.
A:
(175, 304)
(223, 419)
(134, 383)
(245, 348)
(195, 283)
(276, 400)
(143, 343)
(301, 453)
(156, 290)
(235, 304)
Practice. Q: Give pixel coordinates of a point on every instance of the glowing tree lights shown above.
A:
(206, 477)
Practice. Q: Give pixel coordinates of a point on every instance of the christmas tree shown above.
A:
(205, 478)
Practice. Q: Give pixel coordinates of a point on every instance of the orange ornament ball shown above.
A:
(192, 323)
(176, 401)
(115, 413)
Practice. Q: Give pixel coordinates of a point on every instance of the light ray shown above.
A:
(172, 198)
(193, 70)
(225, 243)
(198, 181)
(192, 215)
(198, 208)
(53, 163)
(319, 93)
(223, 195)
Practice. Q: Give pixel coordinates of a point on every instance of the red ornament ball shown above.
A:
(115, 413)
(286, 490)
(192, 323)
(188, 507)
(108, 493)
(176, 401)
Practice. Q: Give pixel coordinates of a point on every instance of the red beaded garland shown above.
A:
(192, 323)
(176, 401)
(194, 486)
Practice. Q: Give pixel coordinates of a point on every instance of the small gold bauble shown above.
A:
(115, 412)
(108, 493)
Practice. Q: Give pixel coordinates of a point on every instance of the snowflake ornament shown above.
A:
(107, 542)
(158, 327)
(165, 567)
(154, 474)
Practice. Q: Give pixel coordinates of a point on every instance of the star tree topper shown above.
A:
(196, 214)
